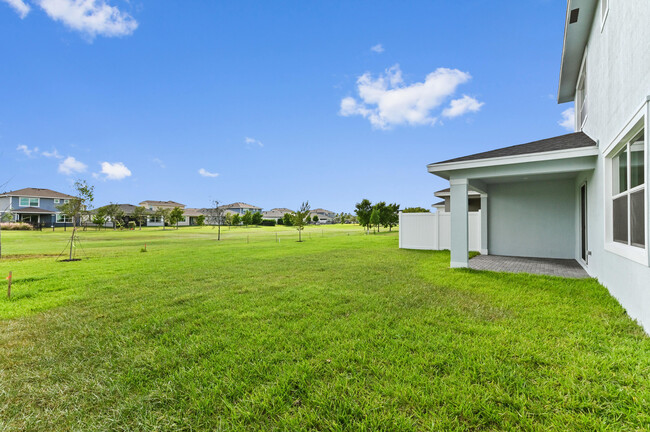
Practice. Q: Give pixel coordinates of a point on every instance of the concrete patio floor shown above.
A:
(567, 268)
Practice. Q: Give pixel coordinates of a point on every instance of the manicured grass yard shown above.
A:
(341, 332)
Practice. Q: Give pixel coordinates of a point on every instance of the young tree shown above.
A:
(139, 215)
(315, 218)
(115, 214)
(175, 216)
(300, 218)
(229, 219)
(163, 214)
(216, 217)
(236, 219)
(257, 218)
(374, 218)
(200, 220)
(99, 218)
(363, 211)
(80, 205)
(247, 219)
(392, 217)
(287, 219)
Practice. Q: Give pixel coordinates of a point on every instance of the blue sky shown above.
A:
(329, 102)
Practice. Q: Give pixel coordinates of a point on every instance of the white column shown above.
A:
(459, 223)
(484, 224)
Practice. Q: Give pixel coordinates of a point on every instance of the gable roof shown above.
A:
(321, 210)
(163, 203)
(562, 142)
(37, 193)
(126, 208)
(281, 209)
(240, 205)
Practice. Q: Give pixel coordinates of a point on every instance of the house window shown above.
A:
(581, 99)
(56, 201)
(628, 193)
(28, 202)
(61, 218)
(155, 219)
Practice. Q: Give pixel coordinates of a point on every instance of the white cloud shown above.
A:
(568, 119)
(252, 141)
(205, 173)
(91, 17)
(71, 165)
(53, 154)
(387, 101)
(28, 152)
(461, 106)
(21, 8)
(160, 163)
(377, 48)
(115, 171)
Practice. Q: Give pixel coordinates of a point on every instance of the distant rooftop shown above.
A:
(37, 193)
(162, 203)
(240, 205)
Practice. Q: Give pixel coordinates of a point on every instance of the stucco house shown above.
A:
(153, 205)
(276, 213)
(583, 195)
(324, 216)
(35, 206)
(240, 208)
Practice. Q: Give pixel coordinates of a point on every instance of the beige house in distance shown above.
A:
(152, 206)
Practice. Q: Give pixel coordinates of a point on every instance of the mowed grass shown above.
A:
(341, 332)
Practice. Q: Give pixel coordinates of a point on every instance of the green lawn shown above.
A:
(341, 332)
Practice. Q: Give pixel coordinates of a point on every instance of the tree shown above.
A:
(163, 214)
(300, 218)
(78, 206)
(381, 211)
(175, 216)
(363, 211)
(392, 216)
(236, 219)
(215, 216)
(139, 215)
(415, 210)
(374, 218)
(257, 218)
(229, 219)
(200, 220)
(287, 219)
(315, 218)
(247, 219)
(99, 218)
(115, 214)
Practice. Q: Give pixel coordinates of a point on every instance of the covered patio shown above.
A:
(566, 268)
(531, 201)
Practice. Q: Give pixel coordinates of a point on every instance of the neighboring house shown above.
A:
(127, 209)
(584, 195)
(35, 206)
(240, 208)
(324, 216)
(276, 213)
(473, 200)
(155, 205)
(192, 214)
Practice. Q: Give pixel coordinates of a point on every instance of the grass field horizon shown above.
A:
(343, 331)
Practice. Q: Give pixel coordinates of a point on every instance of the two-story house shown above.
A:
(276, 213)
(240, 208)
(581, 196)
(152, 206)
(324, 216)
(35, 206)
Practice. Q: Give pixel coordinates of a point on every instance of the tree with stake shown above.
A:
(363, 211)
(139, 214)
(374, 218)
(78, 206)
(300, 218)
(216, 216)
(175, 216)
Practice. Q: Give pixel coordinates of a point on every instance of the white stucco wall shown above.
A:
(539, 210)
(618, 85)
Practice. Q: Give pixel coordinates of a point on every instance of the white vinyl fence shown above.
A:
(432, 231)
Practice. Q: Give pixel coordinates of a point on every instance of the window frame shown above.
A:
(62, 218)
(639, 122)
(581, 100)
(626, 146)
(29, 202)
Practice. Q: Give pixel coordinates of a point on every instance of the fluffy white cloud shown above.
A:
(461, 106)
(71, 165)
(53, 154)
(28, 152)
(377, 48)
(205, 173)
(568, 119)
(115, 171)
(253, 142)
(21, 8)
(387, 101)
(91, 17)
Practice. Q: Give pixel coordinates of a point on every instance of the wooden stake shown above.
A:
(9, 285)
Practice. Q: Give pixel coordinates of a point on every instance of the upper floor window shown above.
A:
(628, 193)
(28, 202)
(581, 99)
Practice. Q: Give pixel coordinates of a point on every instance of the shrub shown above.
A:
(131, 225)
(280, 221)
(268, 222)
(16, 226)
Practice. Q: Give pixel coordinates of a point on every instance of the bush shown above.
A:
(131, 225)
(280, 221)
(268, 222)
(16, 226)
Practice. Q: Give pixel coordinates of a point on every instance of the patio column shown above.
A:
(484, 224)
(459, 223)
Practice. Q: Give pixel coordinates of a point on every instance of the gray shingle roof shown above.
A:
(33, 210)
(562, 142)
(37, 192)
(240, 205)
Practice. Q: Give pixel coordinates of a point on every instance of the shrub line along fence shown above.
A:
(432, 231)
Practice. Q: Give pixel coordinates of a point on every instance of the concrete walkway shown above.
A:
(567, 268)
